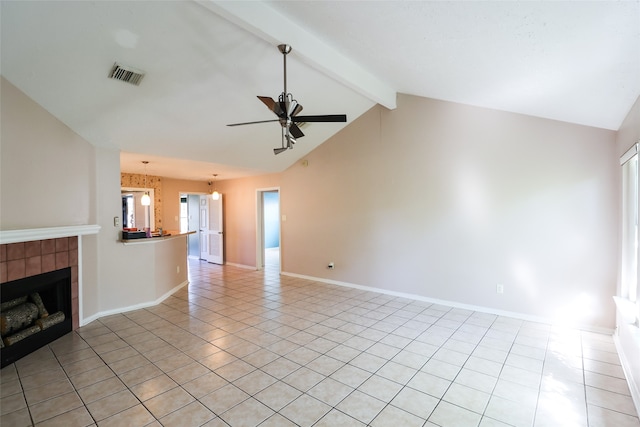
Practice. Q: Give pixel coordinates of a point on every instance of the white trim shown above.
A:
(259, 230)
(260, 225)
(100, 314)
(629, 154)
(626, 368)
(248, 267)
(31, 234)
(627, 309)
(481, 309)
(80, 310)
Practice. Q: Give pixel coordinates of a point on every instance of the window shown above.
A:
(629, 279)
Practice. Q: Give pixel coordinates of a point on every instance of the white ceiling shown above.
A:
(205, 62)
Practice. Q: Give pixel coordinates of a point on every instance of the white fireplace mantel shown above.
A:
(31, 234)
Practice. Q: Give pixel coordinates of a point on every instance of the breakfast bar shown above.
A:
(161, 264)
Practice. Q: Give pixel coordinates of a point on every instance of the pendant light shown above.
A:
(145, 200)
(215, 195)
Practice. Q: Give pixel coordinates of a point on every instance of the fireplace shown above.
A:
(35, 311)
(24, 256)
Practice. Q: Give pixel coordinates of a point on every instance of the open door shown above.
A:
(211, 233)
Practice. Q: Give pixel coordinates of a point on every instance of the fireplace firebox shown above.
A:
(35, 311)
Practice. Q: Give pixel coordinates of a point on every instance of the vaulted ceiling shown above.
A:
(206, 61)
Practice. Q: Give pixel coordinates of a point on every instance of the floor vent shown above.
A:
(126, 74)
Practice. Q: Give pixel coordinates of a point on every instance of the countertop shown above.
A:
(168, 235)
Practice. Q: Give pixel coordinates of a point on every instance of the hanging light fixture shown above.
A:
(145, 200)
(215, 195)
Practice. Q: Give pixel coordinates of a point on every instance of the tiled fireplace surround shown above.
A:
(25, 259)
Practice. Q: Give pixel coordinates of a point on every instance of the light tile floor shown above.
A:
(246, 348)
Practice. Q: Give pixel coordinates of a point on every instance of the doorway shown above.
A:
(190, 221)
(211, 229)
(268, 248)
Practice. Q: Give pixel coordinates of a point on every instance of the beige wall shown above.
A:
(48, 179)
(239, 203)
(445, 201)
(46, 175)
(172, 188)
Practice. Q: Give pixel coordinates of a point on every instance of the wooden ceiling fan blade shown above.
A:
(253, 123)
(327, 118)
(271, 105)
(295, 131)
(296, 110)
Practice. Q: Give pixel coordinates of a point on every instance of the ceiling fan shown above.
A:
(287, 110)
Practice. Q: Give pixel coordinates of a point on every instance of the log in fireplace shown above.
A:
(34, 311)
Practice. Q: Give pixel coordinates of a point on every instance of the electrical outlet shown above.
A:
(116, 221)
(499, 289)
(177, 269)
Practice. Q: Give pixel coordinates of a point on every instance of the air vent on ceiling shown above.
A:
(126, 74)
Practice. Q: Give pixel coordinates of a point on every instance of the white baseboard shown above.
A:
(247, 267)
(626, 368)
(454, 304)
(139, 306)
